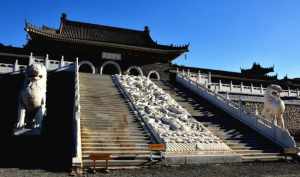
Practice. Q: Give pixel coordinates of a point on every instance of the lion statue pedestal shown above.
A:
(273, 105)
(32, 101)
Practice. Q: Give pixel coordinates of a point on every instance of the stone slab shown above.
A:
(27, 131)
(184, 159)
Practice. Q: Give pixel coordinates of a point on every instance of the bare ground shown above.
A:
(279, 169)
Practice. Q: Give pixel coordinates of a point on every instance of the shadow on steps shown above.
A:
(54, 148)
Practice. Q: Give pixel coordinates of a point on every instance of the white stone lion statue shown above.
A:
(32, 102)
(273, 105)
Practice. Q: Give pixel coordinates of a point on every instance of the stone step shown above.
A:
(115, 144)
(253, 151)
(104, 129)
(97, 148)
(114, 124)
(84, 140)
(111, 129)
(239, 137)
(117, 163)
(247, 145)
(101, 101)
(109, 119)
(240, 148)
(117, 152)
(142, 134)
(100, 106)
(106, 116)
(262, 158)
(119, 136)
(113, 137)
(99, 96)
(86, 157)
(106, 121)
(244, 139)
(259, 154)
(95, 112)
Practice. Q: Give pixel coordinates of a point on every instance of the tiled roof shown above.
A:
(102, 33)
(74, 30)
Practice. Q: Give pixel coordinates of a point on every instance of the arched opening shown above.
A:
(135, 71)
(110, 68)
(154, 75)
(86, 67)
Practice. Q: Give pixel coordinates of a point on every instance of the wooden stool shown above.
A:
(156, 147)
(99, 156)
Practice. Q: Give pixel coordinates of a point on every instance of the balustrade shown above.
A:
(49, 64)
(265, 127)
(205, 79)
(77, 157)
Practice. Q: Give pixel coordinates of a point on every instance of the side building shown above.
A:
(257, 75)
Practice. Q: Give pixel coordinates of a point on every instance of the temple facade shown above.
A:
(112, 50)
(104, 49)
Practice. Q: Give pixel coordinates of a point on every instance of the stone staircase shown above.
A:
(239, 137)
(108, 125)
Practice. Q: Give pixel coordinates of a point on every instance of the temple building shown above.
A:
(259, 72)
(111, 50)
(103, 49)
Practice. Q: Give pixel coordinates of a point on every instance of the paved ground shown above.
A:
(282, 169)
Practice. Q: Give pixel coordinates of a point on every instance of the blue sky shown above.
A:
(223, 34)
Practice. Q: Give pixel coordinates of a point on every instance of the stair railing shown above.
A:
(77, 157)
(278, 135)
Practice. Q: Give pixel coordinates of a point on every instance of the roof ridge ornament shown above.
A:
(63, 16)
(146, 29)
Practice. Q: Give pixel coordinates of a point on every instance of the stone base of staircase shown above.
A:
(205, 158)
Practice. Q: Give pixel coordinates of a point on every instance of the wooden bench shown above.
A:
(156, 147)
(100, 156)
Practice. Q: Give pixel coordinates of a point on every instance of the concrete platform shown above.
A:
(201, 158)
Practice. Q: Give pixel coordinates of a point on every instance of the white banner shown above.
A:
(111, 56)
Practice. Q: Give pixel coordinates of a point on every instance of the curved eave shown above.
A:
(59, 37)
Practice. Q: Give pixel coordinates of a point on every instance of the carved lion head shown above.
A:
(36, 72)
(273, 90)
